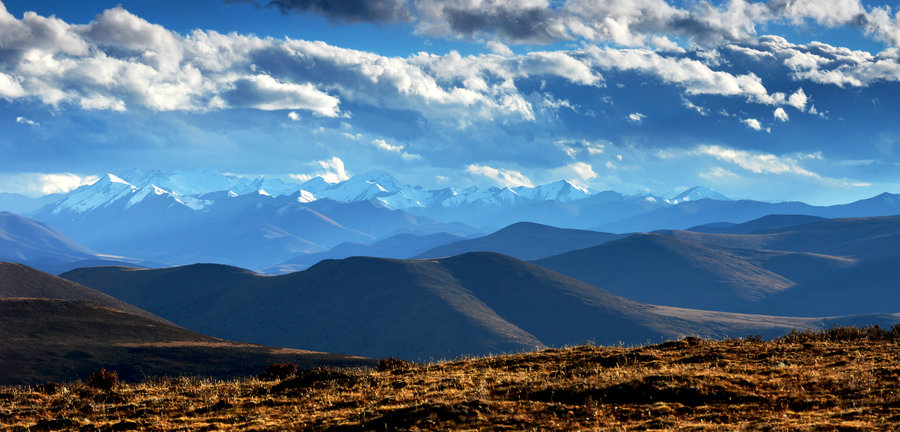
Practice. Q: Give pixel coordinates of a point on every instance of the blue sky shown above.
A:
(781, 100)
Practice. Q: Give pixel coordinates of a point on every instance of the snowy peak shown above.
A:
(563, 190)
(697, 193)
(104, 191)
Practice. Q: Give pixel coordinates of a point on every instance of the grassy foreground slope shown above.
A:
(841, 379)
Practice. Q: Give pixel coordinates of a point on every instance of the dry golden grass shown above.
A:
(843, 379)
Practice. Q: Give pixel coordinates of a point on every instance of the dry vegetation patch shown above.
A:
(841, 379)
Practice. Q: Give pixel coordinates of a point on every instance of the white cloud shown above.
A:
(760, 163)
(499, 48)
(798, 100)
(293, 116)
(266, 93)
(332, 171)
(39, 184)
(690, 105)
(718, 173)
(504, 177)
(780, 114)
(752, 123)
(636, 117)
(26, 121)
(398, 149)
(10, 88)
(582, 170)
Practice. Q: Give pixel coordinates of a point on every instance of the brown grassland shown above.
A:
(839, 379)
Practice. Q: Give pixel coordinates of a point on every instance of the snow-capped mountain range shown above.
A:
(206, 216)
(193, 189)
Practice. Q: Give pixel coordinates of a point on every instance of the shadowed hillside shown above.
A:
(475, 303)
(659, 269)
(58, 330)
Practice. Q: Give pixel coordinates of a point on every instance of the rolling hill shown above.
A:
(524, 240)
(56, 330)
(471, 304)
(666, 270)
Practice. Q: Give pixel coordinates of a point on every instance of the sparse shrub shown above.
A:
(844, 334)
(278, 371)
(394, 364)
(49, 388)
(103, 380)
(318, 378)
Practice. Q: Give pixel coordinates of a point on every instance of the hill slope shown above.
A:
(665, 270)
(524, 240)
(475, 303)
(57, 330)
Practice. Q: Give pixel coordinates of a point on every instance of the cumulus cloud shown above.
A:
(499, 48)
(504, 177)
(752, 123)
(581, 170)
(780, 114)
(293, 116)
(798, 100)
(331, 170)
(398, 149)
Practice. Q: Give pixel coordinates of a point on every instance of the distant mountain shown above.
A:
(872, 238)
(398, 246)
(57, 330)
(524, 240)
(829, 267)
(37, 245)
(704, 211)
(256, 222)
(25, 239)
(470, 304)
(21, 204)
(707, 211)
(697, 193)
(254, 229)
(764, 223)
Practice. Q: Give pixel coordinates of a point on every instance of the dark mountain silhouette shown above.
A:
(524, 240)
(21, 281)
(476, 303)
(660, 269)
(57, 330)
(398, 246)
(769, 222)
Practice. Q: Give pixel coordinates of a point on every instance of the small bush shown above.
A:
(394, 364)
(278, 371)
(103, 380)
